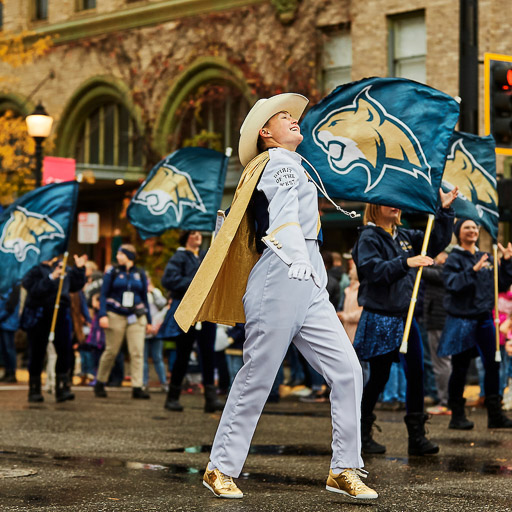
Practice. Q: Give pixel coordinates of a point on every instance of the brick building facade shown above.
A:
(133, 80)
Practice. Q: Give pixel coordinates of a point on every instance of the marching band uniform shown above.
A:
(280, 310)
(469, 330)
(282, 305)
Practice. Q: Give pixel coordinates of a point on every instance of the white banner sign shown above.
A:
(88, 228)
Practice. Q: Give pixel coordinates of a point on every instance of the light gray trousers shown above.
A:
(442, 366)
(279, 311)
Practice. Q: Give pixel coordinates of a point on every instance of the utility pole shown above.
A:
(468, 66)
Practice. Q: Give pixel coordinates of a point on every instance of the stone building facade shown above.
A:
(133, 80)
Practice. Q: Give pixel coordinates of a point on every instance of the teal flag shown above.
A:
(35, 228)
(184, 190)
(471, 166)
(382, 141)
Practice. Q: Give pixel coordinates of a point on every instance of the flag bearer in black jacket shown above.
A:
(387, 257)
(42, 283)
(469, 329)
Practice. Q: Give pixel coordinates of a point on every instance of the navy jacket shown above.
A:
(42, 291)
(386, 279)
(180, 271)
(117, 281)
(434, 314)
(471, 293)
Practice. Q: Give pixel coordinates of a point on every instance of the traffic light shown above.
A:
(498, 100)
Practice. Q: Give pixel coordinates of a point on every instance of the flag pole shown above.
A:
(412, 305)
(497, 356)
(220, 213)
(51, 336)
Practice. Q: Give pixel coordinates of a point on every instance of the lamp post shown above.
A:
(39, 126)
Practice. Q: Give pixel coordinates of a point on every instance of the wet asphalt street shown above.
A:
(120, 454)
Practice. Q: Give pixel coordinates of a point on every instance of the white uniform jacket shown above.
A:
(286, 184)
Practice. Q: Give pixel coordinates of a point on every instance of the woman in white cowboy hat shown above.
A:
(286, 301)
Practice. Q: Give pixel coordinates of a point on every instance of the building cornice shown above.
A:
(139, 15)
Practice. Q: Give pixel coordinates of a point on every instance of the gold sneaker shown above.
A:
(348, 482)
(220, 484)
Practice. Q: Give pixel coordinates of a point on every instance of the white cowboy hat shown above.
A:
(259, 114)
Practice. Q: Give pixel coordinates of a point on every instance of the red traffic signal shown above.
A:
(498, 100)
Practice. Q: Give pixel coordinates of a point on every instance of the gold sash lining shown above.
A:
(216, 292)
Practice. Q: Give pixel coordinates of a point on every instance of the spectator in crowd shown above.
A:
(124, 311)
(178, 275)
(9, 323)
(153, 345)
(469, 281)
(42, 283)
(81, 320)
(386, 257)
(351, 312)
(333, 283)
(434, 316)
(505, 313)
(95, 341)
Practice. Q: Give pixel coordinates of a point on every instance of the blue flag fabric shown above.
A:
(382, 141)
(35, 228)
(471, 166)
(184, 190)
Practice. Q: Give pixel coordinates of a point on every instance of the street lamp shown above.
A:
(39, 126)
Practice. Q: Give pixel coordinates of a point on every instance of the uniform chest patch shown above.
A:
(285, 177)
(406, 246)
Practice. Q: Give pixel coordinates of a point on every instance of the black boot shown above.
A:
(418, 443)
(368, 445)
(63, 390)
(140, 393)
(211, 402)
(99, 390)
(172, 403)
(495, 416)
(34, 389)
(458, 420)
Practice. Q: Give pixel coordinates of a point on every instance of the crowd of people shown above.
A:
(334, 322)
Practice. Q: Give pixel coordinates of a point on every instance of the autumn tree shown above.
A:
(16, 160)
(16, 146)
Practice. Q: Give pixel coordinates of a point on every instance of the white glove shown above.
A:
(300, 269)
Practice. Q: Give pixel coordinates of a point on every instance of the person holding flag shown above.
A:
(387, 256)
(468, 276)
(42, 283)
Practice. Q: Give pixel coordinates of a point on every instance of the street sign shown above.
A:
(88, 228)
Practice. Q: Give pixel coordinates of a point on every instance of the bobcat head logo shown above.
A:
(475, 183)
(364, 135)
(169, 187)
(25, 230)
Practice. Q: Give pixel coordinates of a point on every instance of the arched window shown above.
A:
(210, 116)
(108, 136)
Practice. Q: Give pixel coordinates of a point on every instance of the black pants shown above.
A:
(37, 338)
(486, 347)
(184, 344)
(380, 367)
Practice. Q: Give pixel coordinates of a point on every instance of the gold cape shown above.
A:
(216, 292)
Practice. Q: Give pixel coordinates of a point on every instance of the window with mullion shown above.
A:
(337, 59)
(408, 46)
(84, 5)
(109, 137)
(40, 9)
(218, 110)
